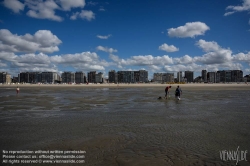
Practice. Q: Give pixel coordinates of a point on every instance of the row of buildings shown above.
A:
(124, 77)
(128, 76)
(76, 77)
(211, 77)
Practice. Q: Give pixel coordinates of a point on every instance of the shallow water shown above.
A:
(127, 126)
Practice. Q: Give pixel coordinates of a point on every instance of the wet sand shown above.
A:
(127, 125)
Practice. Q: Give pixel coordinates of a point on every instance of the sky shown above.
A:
(98, 35)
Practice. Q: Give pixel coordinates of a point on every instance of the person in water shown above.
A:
(167, 91)
(17, 90)
(178, 92)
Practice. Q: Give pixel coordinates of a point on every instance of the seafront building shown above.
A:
(68, 77)
(179, 76)
(189, 75)
(91, 77)
(112, 78)
(132, 76)
(211, 77)
(80, 77)
(204, 75)
(38, 77)
(99, 77)
(5, 78)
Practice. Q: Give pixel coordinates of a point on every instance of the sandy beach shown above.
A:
(126, 124)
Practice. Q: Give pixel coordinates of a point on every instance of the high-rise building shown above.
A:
(5, 78)
(80, 77)
(132, 76)
(217, 77)
(189, 75)
(211, 77)
(24, 77)
(112, 76)
(126, 76)
(236, 76)
(179, 76)
(143, 76)
(68, 77)
(204, 75)
(91, 77)
(49, 77)
(157, 77)
(168, 77)
(99, 77)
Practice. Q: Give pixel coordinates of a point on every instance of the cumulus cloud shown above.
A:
(15, 5)
(82, 61)
(214, 53)
(67, 5)
(46, 9)
(84, 14)
(186, 59)
(42, 40)
(245, 6)
(168, 48)
(190, 29)
(242, 57)
(85, 61)
(43, 10)
(103, 37)
(142, 60)
(106, 49)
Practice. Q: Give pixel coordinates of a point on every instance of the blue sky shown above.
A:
(158, 36)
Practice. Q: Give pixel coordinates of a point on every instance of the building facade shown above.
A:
(211, 77)
(80, 77)
(99, 77)
(91, 77)
(189, 75)
(5, 78)
(204, 75)
(68, 77)
(112, 76)
(179, 76)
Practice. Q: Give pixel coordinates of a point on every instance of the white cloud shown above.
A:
(244, 7)
(186, 59)
(43, 10)
(242, 57)
(67, 4)
(190, 29)
(106, 49)
(85, 61)
(168, 48)
(103, 37)
(46, 9)
(15, 5)
(142, 60)
(42, 40)
(214, 53)
(84, 14)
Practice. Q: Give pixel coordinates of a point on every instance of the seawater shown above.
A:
(128, 126)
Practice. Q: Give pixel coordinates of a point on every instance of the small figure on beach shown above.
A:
(178, 92)
(17, 90)
(159, 98)
(167, 91)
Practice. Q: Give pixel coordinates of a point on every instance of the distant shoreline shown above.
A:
(195, 86)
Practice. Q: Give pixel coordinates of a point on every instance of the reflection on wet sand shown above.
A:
(128, 126)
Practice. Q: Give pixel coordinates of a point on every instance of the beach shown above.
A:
(125, 124)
